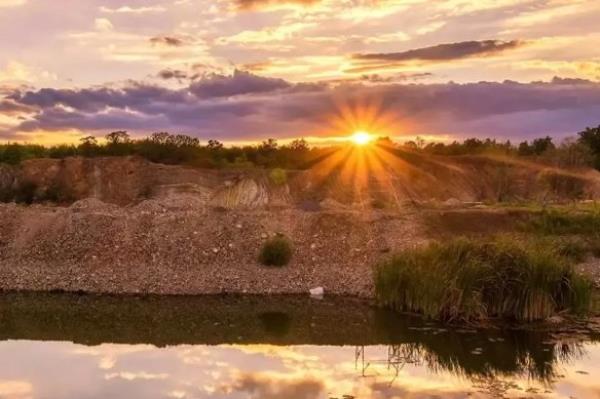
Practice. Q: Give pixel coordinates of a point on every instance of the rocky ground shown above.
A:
(125, 225)
(179, 247)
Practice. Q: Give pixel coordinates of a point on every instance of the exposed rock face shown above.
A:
(245, 193)
(133, 226)
(130, 180)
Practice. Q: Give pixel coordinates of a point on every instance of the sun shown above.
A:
(361, 137)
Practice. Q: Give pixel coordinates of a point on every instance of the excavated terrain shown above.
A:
(125, 225)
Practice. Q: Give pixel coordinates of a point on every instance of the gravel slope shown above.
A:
(183, 247)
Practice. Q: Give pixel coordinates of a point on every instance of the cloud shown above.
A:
(176, 74)
(264, 386)
(132, 10)
(15, 72)
(12, 3)
(171, 41)
(244, 106)
(103, 25)
(257, 4)
(239, 83)
(445, 52)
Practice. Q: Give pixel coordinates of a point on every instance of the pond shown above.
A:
(79, 346)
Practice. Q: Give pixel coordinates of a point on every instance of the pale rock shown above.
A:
(317, 292)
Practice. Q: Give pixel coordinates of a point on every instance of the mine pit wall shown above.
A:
(132, 226)
(129, 180)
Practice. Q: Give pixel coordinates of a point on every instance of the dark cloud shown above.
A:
(256, 386)
(246, 106)
(171, 41)
(10, 107)
(239, 83)
(444, 52)
(176, 74)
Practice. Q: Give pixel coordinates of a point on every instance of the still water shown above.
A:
(67, 346)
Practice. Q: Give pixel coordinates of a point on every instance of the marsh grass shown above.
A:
(466, 279)
(277, 251)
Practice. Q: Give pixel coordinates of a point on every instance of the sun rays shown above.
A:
(361, 137)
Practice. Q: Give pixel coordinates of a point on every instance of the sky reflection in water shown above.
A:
(36, 369)
(64, 346)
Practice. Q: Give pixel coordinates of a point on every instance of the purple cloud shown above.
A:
(445, 52)
(246, 106)
(239, 83)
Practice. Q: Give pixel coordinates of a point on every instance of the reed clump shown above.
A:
(469, 280)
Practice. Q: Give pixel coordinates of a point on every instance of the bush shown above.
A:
(276, 252)
(278, 176)
(25, 192)
(474, 280)
(560, 222)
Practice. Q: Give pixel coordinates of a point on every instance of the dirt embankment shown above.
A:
(154, 247)
(130, 226)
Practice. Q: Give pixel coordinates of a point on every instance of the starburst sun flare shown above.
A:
(361, 137)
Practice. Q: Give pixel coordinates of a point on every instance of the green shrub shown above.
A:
(276, 252)
(563, 184)
(467, 279)
(572, 248)
(278, 176)
(560, 222)
(25, 192)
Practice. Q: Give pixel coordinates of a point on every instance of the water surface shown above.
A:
(68, 346)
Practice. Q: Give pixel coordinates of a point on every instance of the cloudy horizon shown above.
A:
(245, 70)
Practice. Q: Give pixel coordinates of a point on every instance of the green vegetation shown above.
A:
(584, 150)
(467, 279)
(180, 149)
(28, 192)
(563, 222)
(278, 176)
(169, 148)
(277, 251)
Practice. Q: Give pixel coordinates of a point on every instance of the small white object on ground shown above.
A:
(317, 292)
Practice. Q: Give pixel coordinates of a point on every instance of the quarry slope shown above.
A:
(125, 225)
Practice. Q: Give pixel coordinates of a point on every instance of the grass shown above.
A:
(563, 222)
(277, 251)
(466, 280)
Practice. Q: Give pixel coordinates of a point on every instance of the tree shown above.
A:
(410, 144)
(541, 145)
(13, 154)
(591, 138)
(299, 145)
(118, 137)
(88, 141)
(159, 137)
(268, 145)
(88, 147)
(524, 149)
(214, 144)
(182, 140)
(384, 141)
(119, 143)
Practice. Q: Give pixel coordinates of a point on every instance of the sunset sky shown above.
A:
(245, 70)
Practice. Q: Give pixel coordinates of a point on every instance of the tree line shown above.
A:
(163, 147)
(581, 150)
